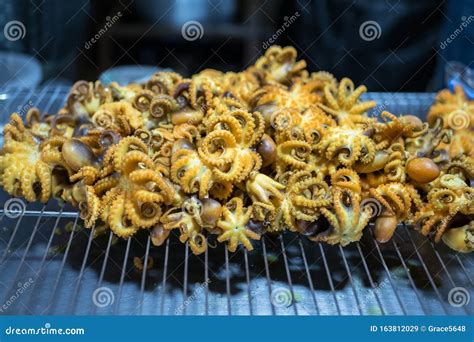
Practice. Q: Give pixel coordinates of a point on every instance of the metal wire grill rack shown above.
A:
(51, 265)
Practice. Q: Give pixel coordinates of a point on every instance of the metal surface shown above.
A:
(50, 269)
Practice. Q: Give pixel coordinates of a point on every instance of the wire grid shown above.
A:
(48, 269)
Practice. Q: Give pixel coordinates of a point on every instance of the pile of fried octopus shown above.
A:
(269, 149)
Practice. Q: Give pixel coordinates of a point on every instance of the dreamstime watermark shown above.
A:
(374, 206)
(192, 297)
(192, 30)
(465, 21)
(379, 109)
(109, 22)
(287, 22)
(458, 119)
(370, 30)
(282, 297)
(14, 208)
(21, 288)
(47, 329)
(458, 296)
(14, 30)
(102, 297)
(369, 296)
(23, 109)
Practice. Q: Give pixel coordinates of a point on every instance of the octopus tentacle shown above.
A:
(262, 188)
(347, 179)
(234, 225)
(346, 219)
(143, 215)
(90, 210)
(117, 219)
(218, 148)
(294, 153)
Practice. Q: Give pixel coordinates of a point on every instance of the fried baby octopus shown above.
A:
(192, 218)
(448, 197)
(227, 147)
(237, 155)
(31, 168)
(128, 192)
(24, 167)
(234, 225)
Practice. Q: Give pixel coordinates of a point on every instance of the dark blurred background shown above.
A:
(389, 45)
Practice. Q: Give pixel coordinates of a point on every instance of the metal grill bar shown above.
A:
(445, 269)
(350, 279)
(227, 282)
(267, 274)
(10, 241)
(144, 272)
(185, 286)
(247, 278)
(464, 269)
(43, 260)
(308, 275)
(369, 276)
(331, 284)
(389, 276)
(104, 265)
(206, 280)
(45, 213)
(122, 276)
(288, 275)
(22, 261)
(81, 273)
(407, 271)
(430, 278)
(165, 272)
(61, 268)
